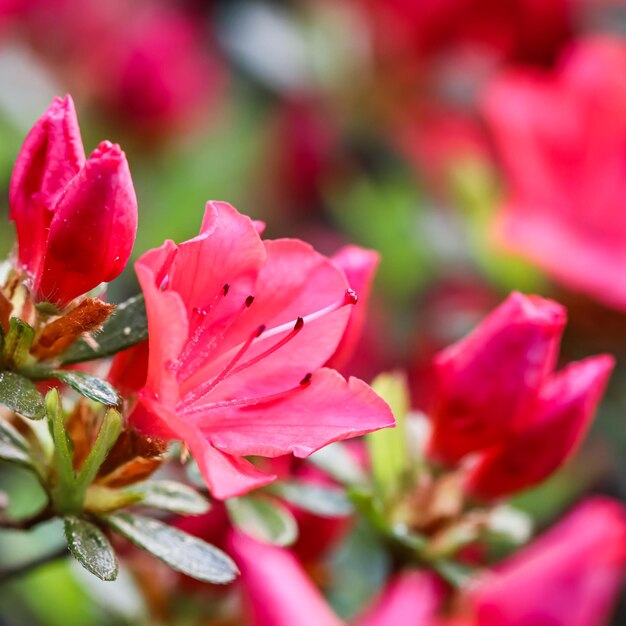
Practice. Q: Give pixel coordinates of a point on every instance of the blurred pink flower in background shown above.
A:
(156, 70)
(562, 138)
(502, 28)
(153, 68)
(570, 576)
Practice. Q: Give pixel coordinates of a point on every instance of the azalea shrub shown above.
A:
(387, 389)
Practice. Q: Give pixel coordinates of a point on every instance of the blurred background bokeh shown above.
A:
(392, 124)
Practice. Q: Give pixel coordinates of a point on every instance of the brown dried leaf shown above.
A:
(82, 426)
(136, 470)
(133, 458)
(60, 334)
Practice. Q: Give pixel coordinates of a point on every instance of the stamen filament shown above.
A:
(245, 402)
(279, 344)
(203, 390)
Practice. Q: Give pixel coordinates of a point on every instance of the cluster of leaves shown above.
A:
(86, 507)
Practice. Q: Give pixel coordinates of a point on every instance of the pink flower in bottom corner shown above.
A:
(571, 576)
(239, 332)
(278, 592)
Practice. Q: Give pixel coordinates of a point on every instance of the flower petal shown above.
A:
(277, 590)
(488, 381)
(561, 419)
(302, 421)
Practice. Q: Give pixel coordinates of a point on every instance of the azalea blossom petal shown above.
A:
(295, 282)
(564, 411)
(359, 266)
(489, 380)
(51, 156)
(277, 590)
(228, 251)
(569, 577)
(411, 598)
(327, 409)
(167, 324)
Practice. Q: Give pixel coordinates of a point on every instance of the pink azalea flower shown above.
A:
(412, 597)
(562, 138)
(240, 330)
(278, 592)
(571, 576)
(154, 70)
(276, 589)
(497, 396)
(76, 219)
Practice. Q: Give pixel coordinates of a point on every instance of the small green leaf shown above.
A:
(388, 448)
(64, 493)
(126, 327)
(17, 343)
(169, 495)
(90, 547)
(263, 519)
(181, 551)
(317, 499)
(19, 394)
(99, 499)
(13, 447)
(109, 432)
(89, 386)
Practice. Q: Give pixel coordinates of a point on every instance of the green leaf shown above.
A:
(169, 495)
(64, 493)
(90, 547)
(126, 327)
(99, 499)
(388, 448)
(19, 394)
(181, 551)
(89, 386)
(109, 432)
(317, 499)
(17, 343)
(13, 447)
(263, 519)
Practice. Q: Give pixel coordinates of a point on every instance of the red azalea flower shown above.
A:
(76, 219)
(497, 396)
(562, 139)
(240, 330)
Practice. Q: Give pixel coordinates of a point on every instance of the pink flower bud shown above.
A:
(76, 220)
(487, 382)
(51, 156)
(554, 430)
(499, 399)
